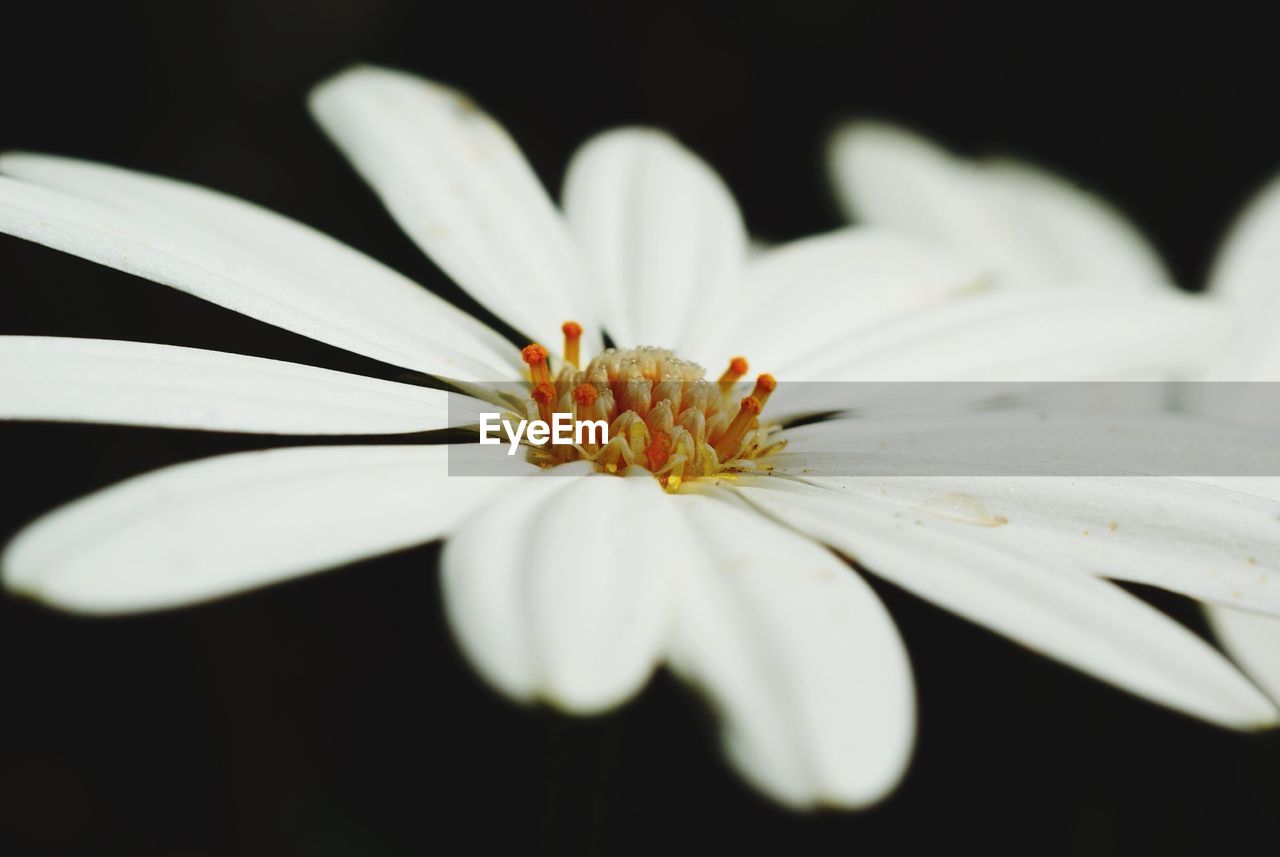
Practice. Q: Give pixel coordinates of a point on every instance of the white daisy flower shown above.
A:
(718, 551)
(1028, 228)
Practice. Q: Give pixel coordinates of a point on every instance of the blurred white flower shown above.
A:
(1028, 228)
(572, 590)
(1021, 225)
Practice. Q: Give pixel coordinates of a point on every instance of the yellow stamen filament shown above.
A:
(572, 336)
(731, 441)
(737, 368)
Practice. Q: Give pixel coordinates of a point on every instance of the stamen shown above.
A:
(586, 396)
(748, 410)
(765, 385)
(536, 356)
(544, 394)
(572, 335)
(612, 454)
(737, 368)
(661, 412)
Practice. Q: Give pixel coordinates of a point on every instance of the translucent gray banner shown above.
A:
(830, 429)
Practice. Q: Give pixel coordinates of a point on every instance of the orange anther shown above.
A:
(536, 356)
(737, 368)
(585, 395)
(572, 334)
(765, 385)
(544, 394)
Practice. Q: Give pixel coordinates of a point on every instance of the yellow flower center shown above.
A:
(663, 414)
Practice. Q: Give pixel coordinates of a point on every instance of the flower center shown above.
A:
(662, 413)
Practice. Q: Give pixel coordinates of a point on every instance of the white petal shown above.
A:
(1080, 334)
(1027, 225)
(1253, 639)
(956, 557)
(219, 526)
(558, 593)
(1076, 235)
(245, 258)
(1004, 335)
(138, 383)
(1247, 268)
(800, 658)
(1074, 433)
(831, 289)
(1246, 273)
(1197, 539)
(458, 186)
(661, 231)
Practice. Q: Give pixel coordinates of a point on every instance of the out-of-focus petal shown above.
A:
(1028, 226)
(1078, 334)
(799, 657)
(1253, 639)
(460, 188)
(807, 296)
(219, 526)
(559, 591)
(953, 555)
(1246, 274)
(661, 231)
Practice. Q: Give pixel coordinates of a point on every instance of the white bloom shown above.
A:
(1028, 228)
(572, 590)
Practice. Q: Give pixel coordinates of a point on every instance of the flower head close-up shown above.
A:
(716, 528)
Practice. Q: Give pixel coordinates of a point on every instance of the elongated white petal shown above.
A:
(553, 593)
(1029, 226)
(1194, 538)
(1081, 435)
(1253, 639)
(800, 658)
(458, 186)
(222, 525)
(827, 289)
(246, 258)
(1026, 336)
(1080, 334)
(661, 231)
(954, 555)
(138, 383)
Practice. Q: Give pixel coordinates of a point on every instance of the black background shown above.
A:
(332, 716)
